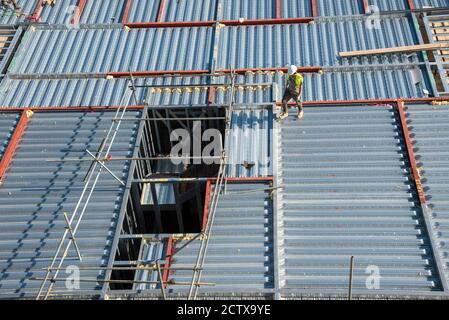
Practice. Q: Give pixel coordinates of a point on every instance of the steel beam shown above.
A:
(168, 260)
(13, 143)
(128, 6)
(416, 176)
(76, 18)
(314, 8)
(243, 22)
(160, 11)
(37, 10)
(278, 9)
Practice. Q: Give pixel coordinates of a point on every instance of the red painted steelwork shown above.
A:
(365, 6)
(185, 24)
(126, 11)
(13, 143)
(76, 18)
(411, 5)
(35, 15)
(314, 8)
(206, 204)
(157, 73)
(410, 153)
(69, 108)
(166, 272)
(244, 70)
(278, 9)
(161, 11)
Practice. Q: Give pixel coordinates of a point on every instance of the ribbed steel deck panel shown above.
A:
(189, 10)
(113, 49)
(251, 142)
(429, 128)
(8, 122)
(143, 10)
(347, 191)
(35, 194)
(240, 252)
(339, 7)
(390, 5)
(431, 3)
(294, 9)
(243, 9)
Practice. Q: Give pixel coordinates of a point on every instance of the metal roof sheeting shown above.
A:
(296, 8)
(302, 44)
(251, 142)
(8, 122)
(390, 5)
(431, 3)
(113, 49)
(347, 191)
(429, 129)
(339, 7)
(143, 10)
(185, 10)
(70, 92)
(240, 252)
(243, 9)
(36, 192)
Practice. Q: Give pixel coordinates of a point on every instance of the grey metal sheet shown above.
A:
(296, 8)
(339, 7)
(35, 193)
(69, 92)
(113, 49)
(429, 129)
(316, 44)
(431, 3)
(186, 10)
(250, 143)
(390, 5)
(240, 252)
(144, 10)
(8, 122)
(347, 191)
(243, 9)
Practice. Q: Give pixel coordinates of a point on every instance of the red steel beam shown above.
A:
(410, 153)
(314, 8)
(69, 108)
(411, 5)
(365, 6)
(206, 204)
(211, 95)
(76, 18)
(185, 24)
(126, 11)
(13, 143)
(166, 272)
(37, 10)
(244, 70)
(157, 73)
(161, 11)
(278, 9)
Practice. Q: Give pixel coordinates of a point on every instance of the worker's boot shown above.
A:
(283, 115)
(300, 113)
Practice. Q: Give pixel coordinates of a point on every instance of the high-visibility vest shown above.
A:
(298, 80)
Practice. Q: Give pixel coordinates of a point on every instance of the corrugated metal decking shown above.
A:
(430, 134)
(347, 191)
(240, 254)
(8, 122)
(35, 193)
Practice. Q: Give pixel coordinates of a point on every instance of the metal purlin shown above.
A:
(113, 129)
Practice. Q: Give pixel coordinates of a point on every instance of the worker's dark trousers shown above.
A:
(288, 95)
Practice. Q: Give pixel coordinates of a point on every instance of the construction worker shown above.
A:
(293, 91)
(6, 3)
